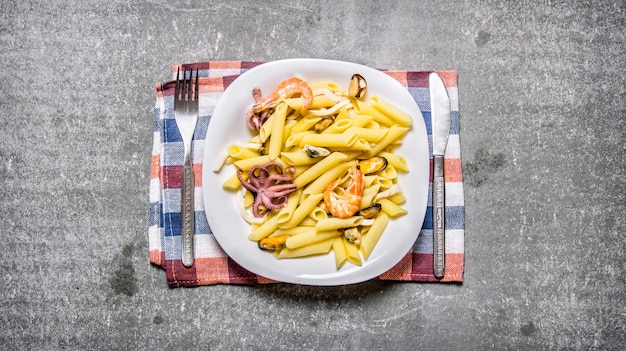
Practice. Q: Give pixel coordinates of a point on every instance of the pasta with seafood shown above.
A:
(319, 171)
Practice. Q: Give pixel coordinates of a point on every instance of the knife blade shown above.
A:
(440, 117)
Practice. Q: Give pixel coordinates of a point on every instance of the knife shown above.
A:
(440, 117)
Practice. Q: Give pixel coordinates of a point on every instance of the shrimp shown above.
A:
(345, 202)
(285, 89)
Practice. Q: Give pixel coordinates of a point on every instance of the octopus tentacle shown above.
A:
(270, 204)
(279, 190)
(248, 186)
(279, 201)
(273, 165)
(255, 207)
(279, 178)
(262, 171)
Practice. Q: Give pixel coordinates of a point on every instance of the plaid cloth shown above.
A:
(212, 265)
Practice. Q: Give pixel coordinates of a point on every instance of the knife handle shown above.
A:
(187, 212)
(439, 221)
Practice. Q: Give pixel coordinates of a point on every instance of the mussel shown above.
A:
(371, 212)
(352, 235)
(323, 124)
(316, 151)
(273, 243)
(357, 86)
(373, 165)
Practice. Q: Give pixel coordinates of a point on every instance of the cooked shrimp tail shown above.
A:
(286, 89)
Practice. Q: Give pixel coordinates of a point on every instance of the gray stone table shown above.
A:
(544, 154)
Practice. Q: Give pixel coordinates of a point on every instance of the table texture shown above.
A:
(543, 147)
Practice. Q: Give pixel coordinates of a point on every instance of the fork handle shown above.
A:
(187, 212)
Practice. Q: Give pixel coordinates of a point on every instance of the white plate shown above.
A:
(228, 126)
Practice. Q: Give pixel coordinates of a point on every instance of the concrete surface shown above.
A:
(543, 143)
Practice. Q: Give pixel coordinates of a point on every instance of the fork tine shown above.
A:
(186, 86)
(176, 89)
(190, 86)
(196, 96)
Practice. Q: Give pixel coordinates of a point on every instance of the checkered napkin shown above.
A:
(212, 265)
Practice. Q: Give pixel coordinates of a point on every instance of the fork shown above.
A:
(186, 116)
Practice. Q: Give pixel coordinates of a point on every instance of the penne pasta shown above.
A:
(305, 124)
(331, 86)
(384, 183)
(310, 237)
(286, 212)
(321, 182)
(389, 172)
(298, 158)
(300, 169)
(266, 129)
(368, 180)
(322, 247)
(339, 126)
(397, 161)
(368, 196)
(318, 214)
(346, 113)
(360, 120)
(352, 251)
(248, 163)
(390, 208)
(341, 254)
(308, 222)
(289, 124)
(338, 223)
(248, 199)
(359, 145)
(232, 183)
(319, 168)
(360, 129)
(397, 115)
(264, 230)
(278, 130)
(319, 101)
(304, 208)
(394, 133)
(329, 140)
(398, 199)
(370, 134)
(331, 110)
(375, 231)
(367, 109)
(292, 231)
(239, 152)
(295, 139)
